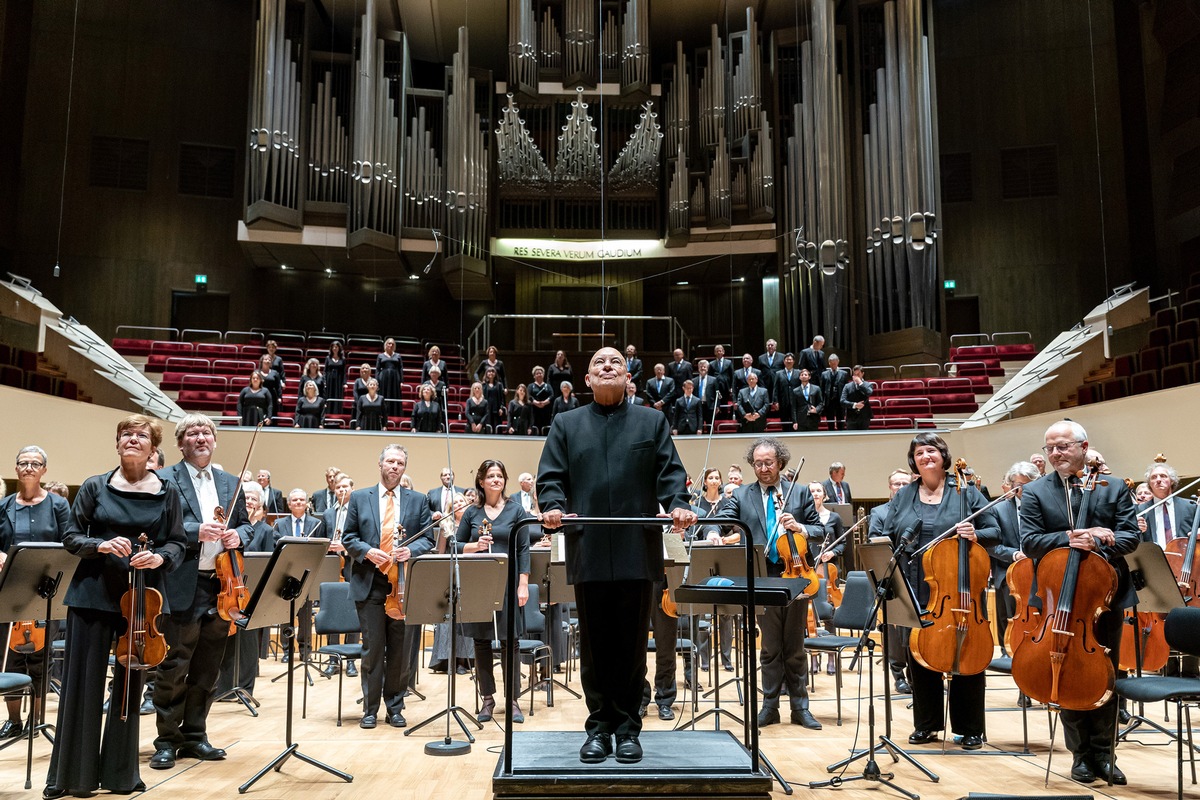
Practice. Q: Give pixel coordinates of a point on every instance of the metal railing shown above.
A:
(571, 332)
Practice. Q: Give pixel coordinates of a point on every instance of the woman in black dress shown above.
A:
(111, 510)
(312, 372)
(31, 514)
(520, 413)
(438, 385)
(493, 506)
(427, 412)
(334, 387)
(558, 371)
(930, 505)
(491, 360)
(493, 392)
(540, 398)
(387, 370)
(360, 383)
(272, 381)
(566, 401)
(434, 360)
(709, 504)
(310, 407)
(479, 417)
(368, 409)
(276, 359)
(255, 403)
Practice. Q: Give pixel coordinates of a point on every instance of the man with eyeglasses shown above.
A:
(761, 507)
(1111, 532)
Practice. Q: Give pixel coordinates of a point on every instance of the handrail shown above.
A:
(1028, 336)
(984, 336)
(480, 337)
(220, 335)
(173, 331)
(938, 367)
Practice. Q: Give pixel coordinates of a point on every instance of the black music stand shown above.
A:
(552, 575)
(29, 586)
(433, 593)
(1157, 592)
(253, 565)
(895, 596)
(328, 571)
(286, 579)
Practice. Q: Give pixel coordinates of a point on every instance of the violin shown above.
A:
(959, 642)
(27, 636)
(142, 646)
(1075, 587)
(393, 604)
(793, 550)
(234, 596)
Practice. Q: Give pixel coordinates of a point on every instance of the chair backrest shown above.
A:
(820, 601)
(535, 622)
(337, 613)
(857, 602)
(1183, 630)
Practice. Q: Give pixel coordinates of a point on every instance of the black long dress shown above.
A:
(478, 413)
(493, 393)
(498, 365)
(368, 414)
(520, 416)
(541, 416)
(427, 417)
(255, 406)
(503, 527)
(272, 381)
(84, 759)
(560, 405)
(387, 372)
(428, 365)
(556, 375)
(310, 413)
(334, 388)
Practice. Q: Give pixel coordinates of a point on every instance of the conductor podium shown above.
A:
(675, 763)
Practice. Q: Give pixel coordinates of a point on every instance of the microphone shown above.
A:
(908, 537)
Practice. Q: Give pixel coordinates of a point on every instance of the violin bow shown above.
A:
(249, 452)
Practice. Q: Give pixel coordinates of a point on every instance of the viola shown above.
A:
(959, 642)
(1075, 587)
(142, 646)
(234, 596)
(393, 604)
(1027, 617)
(1184, 558)
(793, 552)
(27, 636)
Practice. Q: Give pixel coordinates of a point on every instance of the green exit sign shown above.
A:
(201, 279)
(949, 286)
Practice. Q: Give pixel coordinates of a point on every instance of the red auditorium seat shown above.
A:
(1181, 352)
(1166, 318)
(1115, 389)
(1160, 337)
(216, 350)
(132, 347)
(1190, 310)
(1143, 382)
(1187, 329)
(1152, 358)
(1124, 366)
(1088, 394)
(727, 426)
(1013, 352)
(1176, 375)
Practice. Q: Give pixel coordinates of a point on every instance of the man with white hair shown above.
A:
(1170, 519)
(1008, 550)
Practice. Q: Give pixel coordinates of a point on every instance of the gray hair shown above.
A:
(834, 357)
(1077, 431)
(398, 447)
(1157, 465)
(835, 466)
(295, 492)
(1024, 468)
(254, 489)
(33, 448)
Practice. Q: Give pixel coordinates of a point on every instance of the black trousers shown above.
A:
(614, 622)
(485, 677)
(782, 657)
(85, 759)
(387, 654)
(1089, 733)
(239, 667)
(966, 700)
(725, 634)
(184, 681)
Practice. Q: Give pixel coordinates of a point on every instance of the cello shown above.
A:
(959, 640)
(1184, 558)
(142, 646)
(1075, 587)
(1021, 579)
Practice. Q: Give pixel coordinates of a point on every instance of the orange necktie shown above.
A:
(387, 537)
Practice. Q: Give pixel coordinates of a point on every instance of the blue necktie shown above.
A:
(772, 535)
(299, 528)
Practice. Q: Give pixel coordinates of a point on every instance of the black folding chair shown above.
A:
(337, 615)
(858, 600)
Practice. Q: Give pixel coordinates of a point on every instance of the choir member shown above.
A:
(479, 419)
(256, 403)
(369, 412)
(310, 407)
(427, 411)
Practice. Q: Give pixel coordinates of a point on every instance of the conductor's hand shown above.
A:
(552, 519)
(146, 560)
(118, 546)
(211, 531)
(681, 518)
(966, 530)
(379, 558)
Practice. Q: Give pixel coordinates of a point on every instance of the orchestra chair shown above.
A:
(858, 600)
(1003, 666)
(1182, 631)
(337, 615)
(14, 684)
(824, 612)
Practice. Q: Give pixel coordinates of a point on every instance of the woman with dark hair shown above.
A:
(541, 395)
(566, 402)
(520, 413)
(558, 371)
(493, 392)
(388, 366)
(31, 514)
(111, 511)
(310, 407)
(479, 417)
(276, 359)
(334, 387)
(256, 403)
(917, 514)
(427, 412)
(492, 361)
(507, 536)
(369, 414)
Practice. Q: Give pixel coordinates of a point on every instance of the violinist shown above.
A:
(917, 514)
(31, 514)
(196, 634)
(760, 505)
(1008, 549)
(1171, 519)
(832, 526)
(376, 522)
(503, 515)
(110, 512)
(1112, 532)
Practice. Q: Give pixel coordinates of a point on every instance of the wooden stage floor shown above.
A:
(387, 764)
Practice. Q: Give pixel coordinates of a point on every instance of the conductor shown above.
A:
(612, 458)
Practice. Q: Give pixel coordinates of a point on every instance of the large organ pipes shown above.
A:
(422, 175)
(549, 54)
(578, 152)
(678, 105)
(522, 47)
(273, 174)
(579, 42)
(466, 162)
(637, 163)
(678, 209)
(328, 140)
(720, 193)
(901, 175)
(747, 80)
(611, 36)
(635, 50)
(712, 94)
(761, 200)
(519, 160)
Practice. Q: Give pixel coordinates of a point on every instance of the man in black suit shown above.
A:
(631, 395)
(688, 419)
(327, 496)
(786, 379)
(706, 385)
(856, 401)
(680, 369)
(837, 490)
(1008, 550)
(741, 378)
(660, 392)
(805, 402)
(195, 634)
(832, 381)
(1111, 532)
(525, 497)
(783, 628)
(767, 364)
(898, 638)
(752, 405)
(301, 524)
(812, 358)
(272, 497)
(612, 459)
(1172, 519)
(441, 499)
(722, 369)
(374, 522)
(635, 366)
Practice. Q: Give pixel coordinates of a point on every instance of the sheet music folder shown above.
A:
(767, 592)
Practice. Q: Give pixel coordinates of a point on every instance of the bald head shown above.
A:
(606, 376)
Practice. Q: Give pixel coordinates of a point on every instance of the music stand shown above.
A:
(433, 593)
(1157, 592)
(29, 586)
(287, 578)
(552, 575)
(894, 595)
(252, 569)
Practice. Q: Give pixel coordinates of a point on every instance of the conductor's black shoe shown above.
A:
(664, 712)
(902, 687)
(53, 793)
(397, 720)
(201, 750)
(803, 716)
(922, 737)
(1081, 770)
(629, 749)
(351, 670)
(768, 716)
(597, 748)
(163, 759)
(368, 721)
(1106, 770)
(972, 742)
